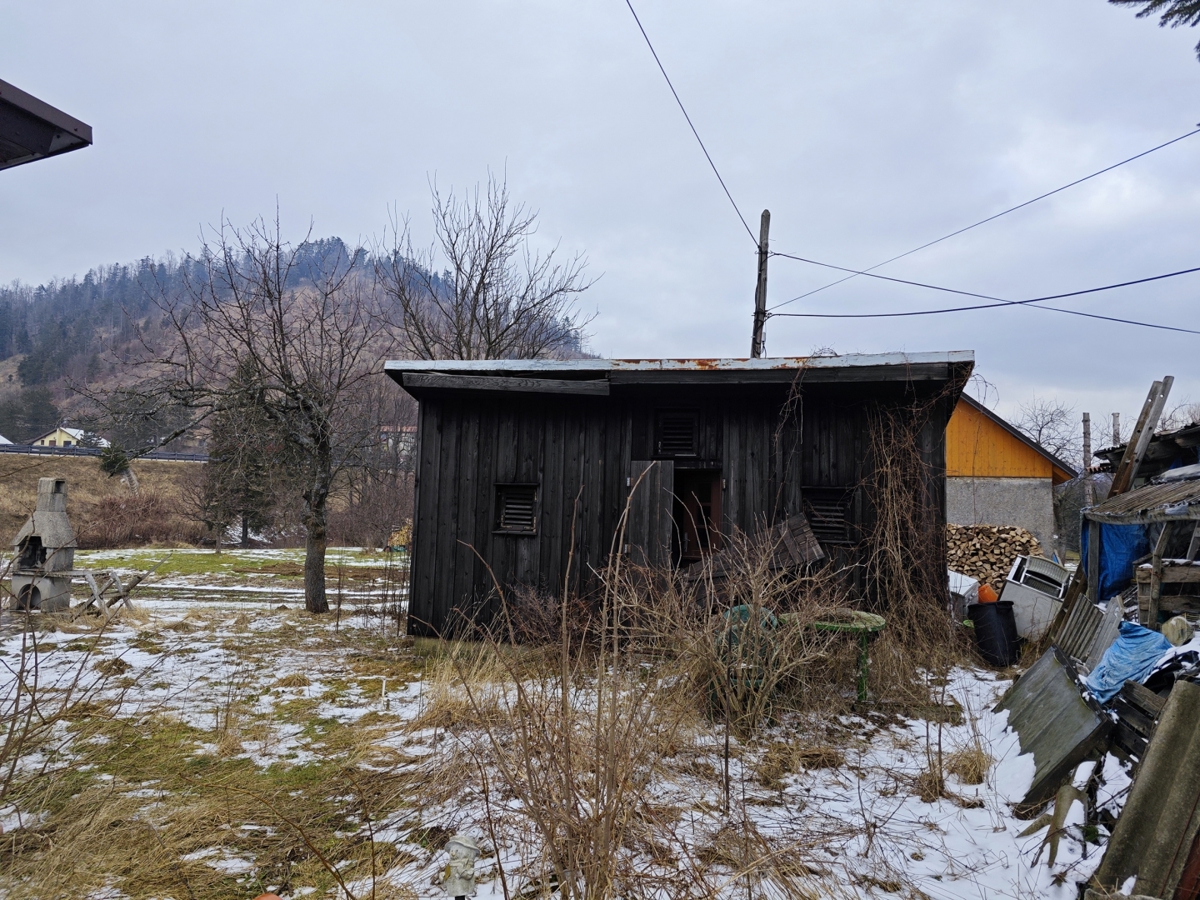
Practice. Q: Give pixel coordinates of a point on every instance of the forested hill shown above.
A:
(81, 329)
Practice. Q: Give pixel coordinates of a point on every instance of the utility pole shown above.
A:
(1116, 430)
(760, 290)
(1089, 497)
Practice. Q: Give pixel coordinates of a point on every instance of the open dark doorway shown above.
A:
(697, 514)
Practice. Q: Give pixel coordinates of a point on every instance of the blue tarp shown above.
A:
(1131, 657)
(1120, 545)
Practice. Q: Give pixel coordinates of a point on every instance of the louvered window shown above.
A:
(828, 514)
(516, 508)
(677, 433)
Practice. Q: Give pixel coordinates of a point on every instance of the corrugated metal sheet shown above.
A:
(1171, 501)
(1089, 631)
(1161, 819)
(1054, 722)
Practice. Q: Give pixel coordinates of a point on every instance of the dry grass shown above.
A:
(789, 757)
(468, 687)
(88, 488)
(970, 764)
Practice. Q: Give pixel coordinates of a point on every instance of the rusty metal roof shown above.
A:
(1173, 500)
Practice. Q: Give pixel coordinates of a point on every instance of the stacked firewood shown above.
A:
(987, 552)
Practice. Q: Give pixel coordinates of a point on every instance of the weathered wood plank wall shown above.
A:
(578, 450)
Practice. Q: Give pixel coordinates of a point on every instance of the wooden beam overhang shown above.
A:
(421, 381)
(855, 375)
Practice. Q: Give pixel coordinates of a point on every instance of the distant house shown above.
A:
(997, 475)
(65, 437)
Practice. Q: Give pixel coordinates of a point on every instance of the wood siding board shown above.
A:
(573, 444)
(447, 508)
(485, 490)
(734, 465)
(556, 503)
(421, 599)
(466, 512)
(530, 429)
(593, 488)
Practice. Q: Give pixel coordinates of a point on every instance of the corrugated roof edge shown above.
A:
(601, 366)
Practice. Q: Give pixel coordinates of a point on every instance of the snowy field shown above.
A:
(217, 741)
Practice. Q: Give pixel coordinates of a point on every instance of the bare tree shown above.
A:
(496, 298)
(298, 334)
(1054, 425)
(1181, 415)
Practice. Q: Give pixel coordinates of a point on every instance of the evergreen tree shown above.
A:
(247, 459)
(1174, 12)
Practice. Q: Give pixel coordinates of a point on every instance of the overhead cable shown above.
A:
(683, 110)
(998, 301)
(991, 218)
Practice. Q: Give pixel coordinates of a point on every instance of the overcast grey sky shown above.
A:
(866, 126)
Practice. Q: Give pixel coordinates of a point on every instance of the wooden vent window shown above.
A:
(516, 508)
(828, 514)
(677, 433)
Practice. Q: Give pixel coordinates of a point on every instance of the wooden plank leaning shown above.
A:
(1135, 450)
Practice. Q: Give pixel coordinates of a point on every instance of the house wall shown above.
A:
(1026, 502)
(580, 450)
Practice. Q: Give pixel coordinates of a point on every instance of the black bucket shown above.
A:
(996, 632)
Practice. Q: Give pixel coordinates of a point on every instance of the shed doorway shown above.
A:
(697, 514)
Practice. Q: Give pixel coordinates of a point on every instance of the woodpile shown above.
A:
(986, 552)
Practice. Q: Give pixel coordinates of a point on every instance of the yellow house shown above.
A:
(63, 437)
(996, 475)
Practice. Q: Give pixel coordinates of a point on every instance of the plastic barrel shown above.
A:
(995, 631)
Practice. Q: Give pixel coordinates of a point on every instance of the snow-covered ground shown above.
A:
(246, 683)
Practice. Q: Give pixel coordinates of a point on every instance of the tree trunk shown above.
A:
(316, 519)
(245, 530)
(315, 600)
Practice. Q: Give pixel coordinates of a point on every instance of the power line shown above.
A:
(992, 218)
(675, 93)
(998, 300)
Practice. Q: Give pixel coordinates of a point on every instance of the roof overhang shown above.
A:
(596, 376)
(31, 129)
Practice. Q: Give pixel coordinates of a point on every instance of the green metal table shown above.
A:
(864, 624)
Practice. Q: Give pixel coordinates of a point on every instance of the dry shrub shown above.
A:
(745, 638)
(930, 785)
(536, 617)
(136, 519)
(906, 557)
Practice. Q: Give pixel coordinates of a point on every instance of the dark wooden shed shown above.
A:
(513, 454)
